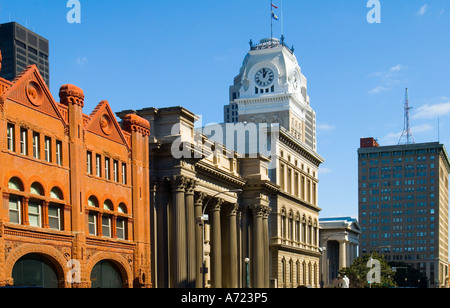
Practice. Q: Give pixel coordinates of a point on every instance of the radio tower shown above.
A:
(407, 130)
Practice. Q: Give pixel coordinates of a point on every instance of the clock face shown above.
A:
(264, 77)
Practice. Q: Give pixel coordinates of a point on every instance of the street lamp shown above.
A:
(247, 272)
(201, 220)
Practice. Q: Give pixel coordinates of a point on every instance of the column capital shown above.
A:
(216, 204)
(178, 183)
(199, 197)
(190, 186)
(232, 209)
(260, 210)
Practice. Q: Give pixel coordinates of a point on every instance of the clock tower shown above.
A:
(270, 88)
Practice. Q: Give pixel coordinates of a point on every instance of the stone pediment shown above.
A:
(103, 122)
(30, 90)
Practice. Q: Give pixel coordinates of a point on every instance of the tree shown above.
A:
(357, 272)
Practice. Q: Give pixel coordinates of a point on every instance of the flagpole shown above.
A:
(282, 26)
(271, 20)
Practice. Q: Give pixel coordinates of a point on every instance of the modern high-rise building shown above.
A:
(22, 47)
(403, 205)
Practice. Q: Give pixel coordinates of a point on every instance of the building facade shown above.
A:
(271, 89)
(22, 47)
(191, 176)
(75, 190)
(403, 205)
(339, 240)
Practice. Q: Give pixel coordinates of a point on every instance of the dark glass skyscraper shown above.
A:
(21, 47)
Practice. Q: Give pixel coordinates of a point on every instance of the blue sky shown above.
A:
(147, 53)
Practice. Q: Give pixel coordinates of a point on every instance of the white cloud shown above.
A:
(398, 68)
(429, 111)
(324, 170)
(325, 127)
(378, 90)
(388, 79)
(423, 9)
(421, 128)
(82, 60)
(393, 138)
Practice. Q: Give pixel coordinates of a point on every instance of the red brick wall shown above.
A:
(28, 105)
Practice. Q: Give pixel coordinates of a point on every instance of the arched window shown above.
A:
(15, 184)
(33, 270)
(122, 208)
(121, 222)
(92, 216)
(15, 202)
(297, 227)
(56, 193)
(92, 201)
(106, 275)
(304, 229)
(107, 205)
(55, 209)
(291, 226)
(37, 189)
(283, 223)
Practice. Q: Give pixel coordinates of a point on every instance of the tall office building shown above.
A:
(21, 47)
(403, 204)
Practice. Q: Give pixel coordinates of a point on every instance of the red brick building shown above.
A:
(75, 190)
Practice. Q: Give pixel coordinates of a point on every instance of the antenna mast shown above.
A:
(407, 130)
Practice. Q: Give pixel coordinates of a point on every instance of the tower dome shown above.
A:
(270, 88)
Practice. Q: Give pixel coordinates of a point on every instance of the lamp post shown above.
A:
(202, 222)
(247, 272)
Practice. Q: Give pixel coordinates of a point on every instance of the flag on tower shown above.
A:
(274, 16)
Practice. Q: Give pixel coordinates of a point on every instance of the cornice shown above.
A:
(219, 173)
(302, 149)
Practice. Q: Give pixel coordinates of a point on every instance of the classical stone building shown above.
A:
(339, 240)
(270, 89)
(190, 175)
(75, 190)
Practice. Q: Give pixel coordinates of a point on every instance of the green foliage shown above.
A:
(357, 272)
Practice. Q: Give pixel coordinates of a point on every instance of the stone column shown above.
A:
(257, 259)
(265, 221)
(232, 244)
(198, 210)
(190, 234)
(342, 254)
(216, 245)
(178, 228)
